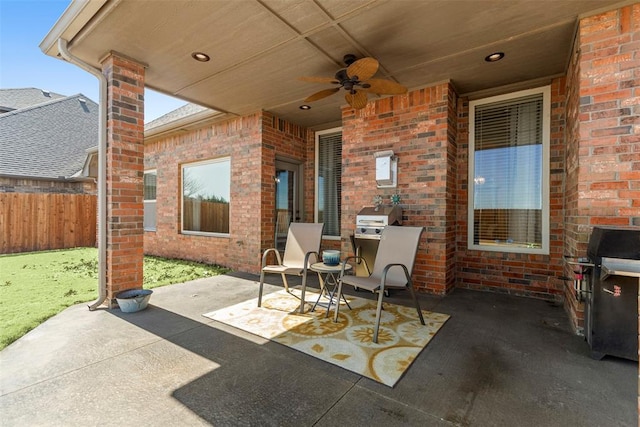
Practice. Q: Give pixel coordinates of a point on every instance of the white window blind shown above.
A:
(508, 198)
(329, 181)
(149, 197)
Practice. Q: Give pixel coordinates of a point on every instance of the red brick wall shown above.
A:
(603, 146)
(125, 168)
(515, 273)
(609, 151)
(252, 143)
(608, 166)
(420, 129)
(576, 231)
(309, 178)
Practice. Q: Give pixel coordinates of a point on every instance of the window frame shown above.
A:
(150, 201)
(181, 189)
(316, 186)
(546, 142)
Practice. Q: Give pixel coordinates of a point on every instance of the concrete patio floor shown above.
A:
(499, 361)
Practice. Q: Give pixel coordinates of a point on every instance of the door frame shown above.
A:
(297, 168)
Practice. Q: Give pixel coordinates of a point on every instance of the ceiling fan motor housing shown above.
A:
(348, 82)
(341, 75)
(349, 59)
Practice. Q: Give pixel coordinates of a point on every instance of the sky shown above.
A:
(23, 25)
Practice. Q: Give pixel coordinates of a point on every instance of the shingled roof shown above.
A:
(179, 113)
(49, 139)
(14, 99)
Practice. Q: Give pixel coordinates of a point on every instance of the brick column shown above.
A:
(609, 171)
(609, 129)
(125, 169)
(420, 129)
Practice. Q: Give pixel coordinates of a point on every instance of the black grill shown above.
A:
(611, 312)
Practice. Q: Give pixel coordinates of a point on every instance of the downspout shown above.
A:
(102, 171)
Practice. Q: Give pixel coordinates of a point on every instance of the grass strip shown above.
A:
(38, 285)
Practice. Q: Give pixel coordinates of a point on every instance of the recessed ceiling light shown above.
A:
(305, 107)
(496, 56)
(199, 56)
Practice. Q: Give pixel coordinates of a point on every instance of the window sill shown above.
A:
(331, 238)
(205, 234)
(509, 249)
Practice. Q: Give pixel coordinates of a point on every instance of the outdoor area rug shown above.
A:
(348, 343)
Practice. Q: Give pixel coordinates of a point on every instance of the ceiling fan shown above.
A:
(357, 81)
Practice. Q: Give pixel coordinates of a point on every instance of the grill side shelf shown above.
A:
(619, 267)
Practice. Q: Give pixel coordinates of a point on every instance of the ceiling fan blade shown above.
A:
(319, 80)
(384, 87)
(357, 100)
(322, 94)
(364, 68)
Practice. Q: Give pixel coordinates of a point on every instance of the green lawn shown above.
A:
(35, 286)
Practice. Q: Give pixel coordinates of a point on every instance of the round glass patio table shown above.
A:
(329, 284)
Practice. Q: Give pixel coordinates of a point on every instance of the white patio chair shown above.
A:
(392, 268)
(300, 251)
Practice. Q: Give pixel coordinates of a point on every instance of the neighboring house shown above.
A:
(508, 165)
(15, 99)
(44, 141)
(47, 174)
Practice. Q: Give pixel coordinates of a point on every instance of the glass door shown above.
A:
(288, 199)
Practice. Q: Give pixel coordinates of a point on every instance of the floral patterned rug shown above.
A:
(347, 343)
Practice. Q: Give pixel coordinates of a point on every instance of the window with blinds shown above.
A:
(149, 197)
(508, 194)
(329, 180)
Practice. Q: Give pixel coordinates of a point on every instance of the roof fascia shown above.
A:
(72, 21)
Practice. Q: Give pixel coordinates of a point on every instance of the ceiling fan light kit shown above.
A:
(357, 79)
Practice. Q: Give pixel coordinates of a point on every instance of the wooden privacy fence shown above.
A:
(202, 215)
(43, 221)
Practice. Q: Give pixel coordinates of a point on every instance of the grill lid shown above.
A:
(385, 215)
(614, 243)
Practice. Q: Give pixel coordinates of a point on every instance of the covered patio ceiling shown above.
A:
(259, 48)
